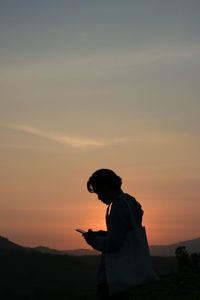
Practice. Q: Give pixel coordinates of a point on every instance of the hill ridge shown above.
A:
(192, 245)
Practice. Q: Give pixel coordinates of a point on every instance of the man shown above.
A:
(107, 185)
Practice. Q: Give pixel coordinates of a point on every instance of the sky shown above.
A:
(89, 84)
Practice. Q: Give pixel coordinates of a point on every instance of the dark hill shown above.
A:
(155, 250)
(34, 275)
(6, 244)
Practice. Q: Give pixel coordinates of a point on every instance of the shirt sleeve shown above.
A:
(119, 219)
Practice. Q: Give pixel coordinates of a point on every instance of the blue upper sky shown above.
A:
(36, 29)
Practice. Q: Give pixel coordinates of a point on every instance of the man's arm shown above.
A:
(117, 228)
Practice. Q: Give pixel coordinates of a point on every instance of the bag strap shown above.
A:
(134, 221)
(133, 218)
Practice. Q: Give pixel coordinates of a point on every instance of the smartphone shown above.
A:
(81, 230)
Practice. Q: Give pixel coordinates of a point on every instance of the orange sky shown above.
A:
(85, 86)
(46, 210)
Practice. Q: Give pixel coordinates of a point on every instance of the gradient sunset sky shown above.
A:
(98, 84)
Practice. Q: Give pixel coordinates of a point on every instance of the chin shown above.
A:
(104, 202)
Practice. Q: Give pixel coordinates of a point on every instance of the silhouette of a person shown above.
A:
(107, 185)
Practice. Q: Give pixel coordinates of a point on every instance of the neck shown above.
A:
(115, 194)
(118, 192)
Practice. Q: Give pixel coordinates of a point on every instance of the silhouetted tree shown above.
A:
(182, 257)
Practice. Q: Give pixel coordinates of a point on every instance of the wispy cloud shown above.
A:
(73, 141)
(83, 142)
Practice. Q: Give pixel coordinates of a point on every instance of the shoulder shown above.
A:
(127, 202)
(133, 201)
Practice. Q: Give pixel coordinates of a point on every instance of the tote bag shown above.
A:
(131, 264)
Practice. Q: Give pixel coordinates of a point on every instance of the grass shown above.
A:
(184, 286)
(35, 276)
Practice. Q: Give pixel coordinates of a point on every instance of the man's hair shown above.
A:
(103, 177)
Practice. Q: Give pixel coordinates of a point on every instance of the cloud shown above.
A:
(77, 142)
(73, 141)
(83, 142)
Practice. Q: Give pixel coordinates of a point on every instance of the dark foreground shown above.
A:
(32, 276)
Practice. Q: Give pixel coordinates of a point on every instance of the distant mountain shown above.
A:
(80, 252)
(75, 252)
(169, 250)
(155, 250)
(47, 250)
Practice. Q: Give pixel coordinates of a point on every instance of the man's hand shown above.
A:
(88, 236)
(102, 233)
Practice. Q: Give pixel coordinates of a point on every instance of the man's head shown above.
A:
(105, 183)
